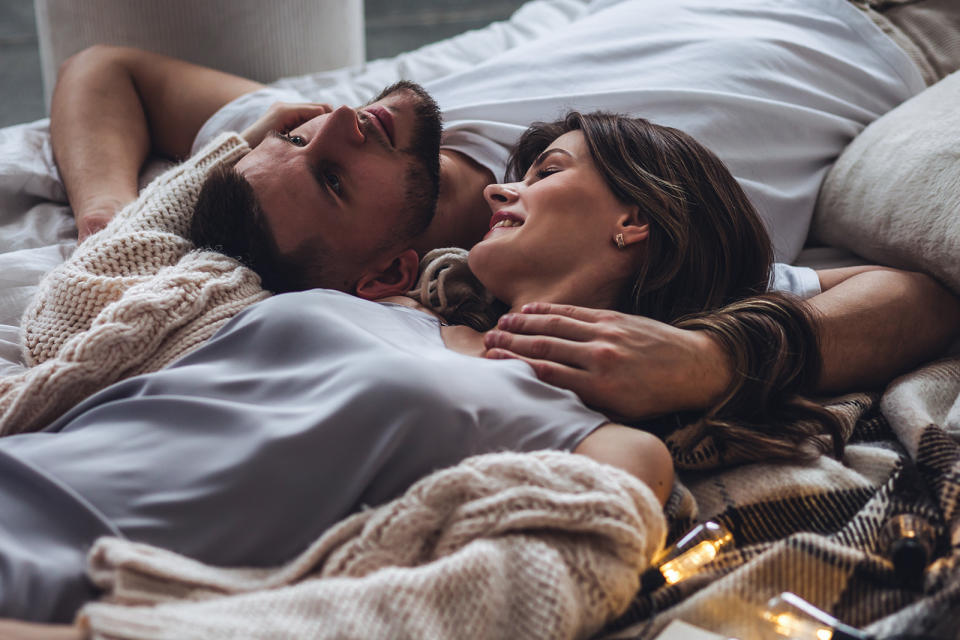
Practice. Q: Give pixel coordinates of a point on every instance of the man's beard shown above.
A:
(422, 177)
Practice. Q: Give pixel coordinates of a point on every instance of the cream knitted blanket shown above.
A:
(131, 299)
(540, 545)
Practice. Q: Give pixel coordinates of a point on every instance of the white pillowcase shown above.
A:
(894, 194)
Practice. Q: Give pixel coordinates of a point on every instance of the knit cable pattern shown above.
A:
(131, 299)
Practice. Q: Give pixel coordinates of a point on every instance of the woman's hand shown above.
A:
(627, 366)
(17, 630)
(282, 116)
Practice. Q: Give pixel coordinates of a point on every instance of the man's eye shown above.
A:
(334, 181)
(296, 141)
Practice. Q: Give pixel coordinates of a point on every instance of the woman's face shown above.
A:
(552, 235)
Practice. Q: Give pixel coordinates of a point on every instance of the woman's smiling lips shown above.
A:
(503, 220)
(506, 218)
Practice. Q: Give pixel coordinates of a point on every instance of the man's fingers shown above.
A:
(553, 373)
(557, 326)
(585, 314)
(283, 116)
(289, 116)
(539, 347)
(300, 113)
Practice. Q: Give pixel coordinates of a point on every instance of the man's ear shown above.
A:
(633, 227)
(389, 276)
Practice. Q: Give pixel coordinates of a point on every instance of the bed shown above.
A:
(813, 529)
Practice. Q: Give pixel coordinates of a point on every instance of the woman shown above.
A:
(345, 403)
(610, 212)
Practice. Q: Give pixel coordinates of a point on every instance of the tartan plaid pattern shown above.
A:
(814, 528)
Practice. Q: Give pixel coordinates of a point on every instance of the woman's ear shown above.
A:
(633, 228)
(389, 277)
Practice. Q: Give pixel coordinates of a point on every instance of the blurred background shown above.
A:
(390, 27)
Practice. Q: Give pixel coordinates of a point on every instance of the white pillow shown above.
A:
(894, 194)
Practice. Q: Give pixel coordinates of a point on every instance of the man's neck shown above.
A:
(463, 216)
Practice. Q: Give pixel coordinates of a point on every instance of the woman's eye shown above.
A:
(549, 171)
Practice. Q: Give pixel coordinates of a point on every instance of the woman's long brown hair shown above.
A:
(707, 267)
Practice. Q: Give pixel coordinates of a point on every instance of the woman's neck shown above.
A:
(572, 291)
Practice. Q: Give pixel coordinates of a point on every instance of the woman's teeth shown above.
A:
(508, 223)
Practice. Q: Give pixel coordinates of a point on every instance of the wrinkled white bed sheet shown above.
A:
(36, 227)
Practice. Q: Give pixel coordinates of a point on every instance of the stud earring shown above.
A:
(621, 243)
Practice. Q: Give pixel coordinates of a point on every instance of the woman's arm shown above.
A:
(637, 452)
(874, 323)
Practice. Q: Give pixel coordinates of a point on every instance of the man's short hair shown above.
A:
(228, 219)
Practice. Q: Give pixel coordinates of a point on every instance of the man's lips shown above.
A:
(382, 119)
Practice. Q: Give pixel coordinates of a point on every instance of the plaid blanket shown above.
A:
(814, 529)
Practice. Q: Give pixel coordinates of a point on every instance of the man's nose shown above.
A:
(342, 127)
(500, 194)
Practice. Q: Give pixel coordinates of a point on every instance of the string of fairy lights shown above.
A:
(908, 541)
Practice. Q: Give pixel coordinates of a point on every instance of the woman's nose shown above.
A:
(498, 194)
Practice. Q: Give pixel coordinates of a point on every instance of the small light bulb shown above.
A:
(908, 541)
(793, 617)
(687, 556)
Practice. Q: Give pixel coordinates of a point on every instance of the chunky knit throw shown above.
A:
(539, 545)
(131, 299)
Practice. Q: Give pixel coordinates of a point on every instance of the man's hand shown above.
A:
(873, 324)
(16, 630)
(92, 217)
(282, 116)
(627, 366)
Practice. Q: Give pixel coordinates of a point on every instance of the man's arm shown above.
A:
(874, 323)
(114, 105)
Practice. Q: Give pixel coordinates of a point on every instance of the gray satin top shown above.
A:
(300, 411)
